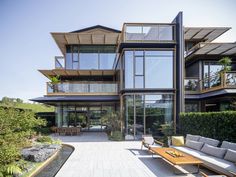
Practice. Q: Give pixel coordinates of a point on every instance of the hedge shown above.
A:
(217, 125)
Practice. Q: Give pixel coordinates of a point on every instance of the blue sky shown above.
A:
(26, 44)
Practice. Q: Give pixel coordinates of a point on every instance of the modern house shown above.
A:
(138, 71)
(206, 88)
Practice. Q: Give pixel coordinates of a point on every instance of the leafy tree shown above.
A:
(225, 62)
(18, 100)
(112, 120)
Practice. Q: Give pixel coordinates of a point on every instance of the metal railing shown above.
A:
(82, 87)
(148, 32)
(215, 82)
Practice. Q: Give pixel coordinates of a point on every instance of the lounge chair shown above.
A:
(205, 175)
(148, 141)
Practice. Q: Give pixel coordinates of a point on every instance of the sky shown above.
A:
(25, 25)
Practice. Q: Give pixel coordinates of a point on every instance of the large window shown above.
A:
(159, 69)
(148, 69)
(144, 113)
(90, 57)
(129, 69)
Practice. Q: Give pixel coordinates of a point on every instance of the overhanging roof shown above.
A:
(59, 99)
(66, 72)
(204, 34)
(96, 35)
(220, 49)
(210, 94)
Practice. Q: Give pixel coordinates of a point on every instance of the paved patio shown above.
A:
(96, 156)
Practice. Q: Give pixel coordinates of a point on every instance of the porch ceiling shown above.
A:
(66, 72)
(204, 34)
(94, 36)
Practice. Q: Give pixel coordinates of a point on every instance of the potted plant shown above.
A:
(54, 80)
(168, 130)
(112, 120)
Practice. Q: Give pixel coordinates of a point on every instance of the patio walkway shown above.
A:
(96, 156)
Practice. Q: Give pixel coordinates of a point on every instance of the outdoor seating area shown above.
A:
(68, 130)
(197, 150)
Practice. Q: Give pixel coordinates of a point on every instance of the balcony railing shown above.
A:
(191, 84)
(59, 62)
(216, 82)
(79, 88)
(148, 33)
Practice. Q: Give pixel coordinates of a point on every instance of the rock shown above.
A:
(39, 153)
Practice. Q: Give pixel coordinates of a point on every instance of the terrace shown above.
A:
(123, 159)
(217, 82)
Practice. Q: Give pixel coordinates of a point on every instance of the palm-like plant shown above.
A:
(225, 62)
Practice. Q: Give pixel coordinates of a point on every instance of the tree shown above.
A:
(112, 120)
(225, 62)
(18, 100)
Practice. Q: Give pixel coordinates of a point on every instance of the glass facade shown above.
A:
(144, 113)
(90, 57)
(148, 69)
(84, 116)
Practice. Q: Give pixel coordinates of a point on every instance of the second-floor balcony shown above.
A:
(82, 88)
(148, 33)
(225, 80)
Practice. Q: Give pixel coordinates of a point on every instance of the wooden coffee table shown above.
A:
(175, 160)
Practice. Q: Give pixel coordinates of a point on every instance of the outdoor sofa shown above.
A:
(221, 159)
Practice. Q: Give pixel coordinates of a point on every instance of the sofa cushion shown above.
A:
(192, 137)
(209, 141)
(228, 145)
(221, 165)
(214, 151)
(230, 155)
(194, 144)
(177, 140)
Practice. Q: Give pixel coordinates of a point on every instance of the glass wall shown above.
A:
(83, 116)
(144, 113)
(148, 69)
(90, 57)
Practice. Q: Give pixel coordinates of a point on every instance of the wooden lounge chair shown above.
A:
(205, 175)
(148, 141)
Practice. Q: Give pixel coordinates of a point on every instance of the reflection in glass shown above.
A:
(88, 60)
(138, 65)
(106, 60)
(154, 110)
(139, 82)
(129, 115)
(128, 59)
(158, 72)
(165, 33)
(69, 61)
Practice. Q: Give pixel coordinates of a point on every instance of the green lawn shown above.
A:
(30, 106)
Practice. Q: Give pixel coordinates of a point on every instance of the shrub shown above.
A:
(16, 129)
(217, 125)
(116, 136)
(45, 139)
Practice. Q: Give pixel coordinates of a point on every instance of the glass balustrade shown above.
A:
(83, 87)
(148, 32)
(59, 62)
(191, 84)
